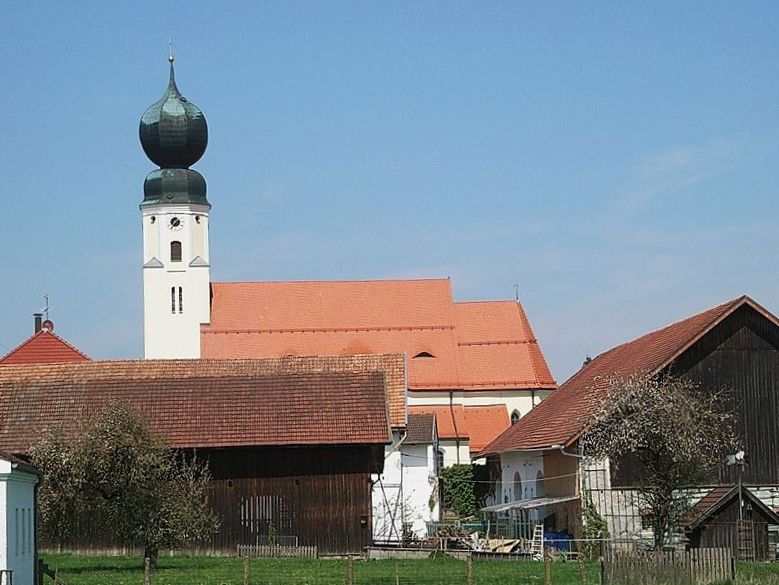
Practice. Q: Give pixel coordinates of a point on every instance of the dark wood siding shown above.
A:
(720, 532)
(320, 495)
(740, 355)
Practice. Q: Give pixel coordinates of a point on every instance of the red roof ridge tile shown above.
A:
(498, 342)
(206, 328)
(38, 335)
(326, 281)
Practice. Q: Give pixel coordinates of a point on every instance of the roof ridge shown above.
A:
(35, 336)
(335, 281)
(211, 330)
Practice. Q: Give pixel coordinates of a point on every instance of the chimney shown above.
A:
(38, 321)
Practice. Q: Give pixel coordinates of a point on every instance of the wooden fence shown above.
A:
(277, 551)
(694, 567)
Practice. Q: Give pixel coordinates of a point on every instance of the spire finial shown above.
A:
(171, 56)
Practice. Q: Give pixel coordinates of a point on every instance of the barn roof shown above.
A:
(469, 346)
(44, 347)
(711, 504)
(560, 418)
(201, 403)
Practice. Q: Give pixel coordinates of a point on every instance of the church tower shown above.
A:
(176, 273)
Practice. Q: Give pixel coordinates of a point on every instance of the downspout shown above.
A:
(532, 398)
(454, 423)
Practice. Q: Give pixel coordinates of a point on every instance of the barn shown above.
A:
(290, 441)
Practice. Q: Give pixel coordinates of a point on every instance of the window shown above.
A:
(175, 251)
(173, 299)
(515, 416)
(424, 354)
(540, 484)
(439, 459)
(517, 486)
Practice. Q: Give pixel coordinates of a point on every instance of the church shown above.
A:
(476, 365)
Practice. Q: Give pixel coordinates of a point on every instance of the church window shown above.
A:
(175, 251)
(515, 417)
(181, 300)
(173, 299)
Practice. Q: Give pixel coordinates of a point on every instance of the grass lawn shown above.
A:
(86, 570)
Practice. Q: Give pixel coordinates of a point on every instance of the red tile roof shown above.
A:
(200, 403)
(44, 347)
(717, 499)
(448, 426)
(485, 423)
(560, 418)
(475, 346)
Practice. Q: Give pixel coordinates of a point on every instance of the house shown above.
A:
(407, 497)
(714, 522)
(292, 441)
(18, 519)
(465, 430)
(734, 345)
(43, 347)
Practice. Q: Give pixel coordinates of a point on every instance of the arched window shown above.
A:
(515, 416)
(175, 251)
(540, 484)
(517, 486)
(424, 354)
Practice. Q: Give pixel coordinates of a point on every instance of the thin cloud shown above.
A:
(674, 169)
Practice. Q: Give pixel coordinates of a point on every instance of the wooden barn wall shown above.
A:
(320, 495)
(720, 532)
(740, 355)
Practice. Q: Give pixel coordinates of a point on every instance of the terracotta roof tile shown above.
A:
(201, 403)
(477, 345)
(421, 429)
(44, 347)
(560, 418)
(485, 423)
(448, 427)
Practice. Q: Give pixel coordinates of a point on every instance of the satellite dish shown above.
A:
(47, 325)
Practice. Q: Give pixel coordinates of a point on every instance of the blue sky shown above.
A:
(618, 160)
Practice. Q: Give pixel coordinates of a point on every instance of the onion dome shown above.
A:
(174, 135)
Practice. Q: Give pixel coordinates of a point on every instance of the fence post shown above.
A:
(469, 568)
(397, 575)
(602, 579)
(146, 571)
(350, 571)
(582, 574)
(246, 570)
(547, 571)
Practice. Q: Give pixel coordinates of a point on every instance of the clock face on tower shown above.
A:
(175, 223)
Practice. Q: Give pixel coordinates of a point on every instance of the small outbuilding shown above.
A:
(715, 522)
(18, 526)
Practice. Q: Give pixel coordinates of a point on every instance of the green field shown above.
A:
(87, 570)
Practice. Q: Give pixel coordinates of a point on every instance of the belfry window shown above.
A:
(175, 251)
(173, 299)
(181, 300)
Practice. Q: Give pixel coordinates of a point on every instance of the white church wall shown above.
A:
(520, 400)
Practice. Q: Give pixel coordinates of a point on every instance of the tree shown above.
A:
(118, 477)
(676, 432)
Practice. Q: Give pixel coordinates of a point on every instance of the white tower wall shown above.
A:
(176, 293)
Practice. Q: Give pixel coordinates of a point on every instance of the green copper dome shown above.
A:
(174, 135)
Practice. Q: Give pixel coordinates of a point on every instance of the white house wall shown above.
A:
(452, 448)
(17, 541)
(405, 491)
